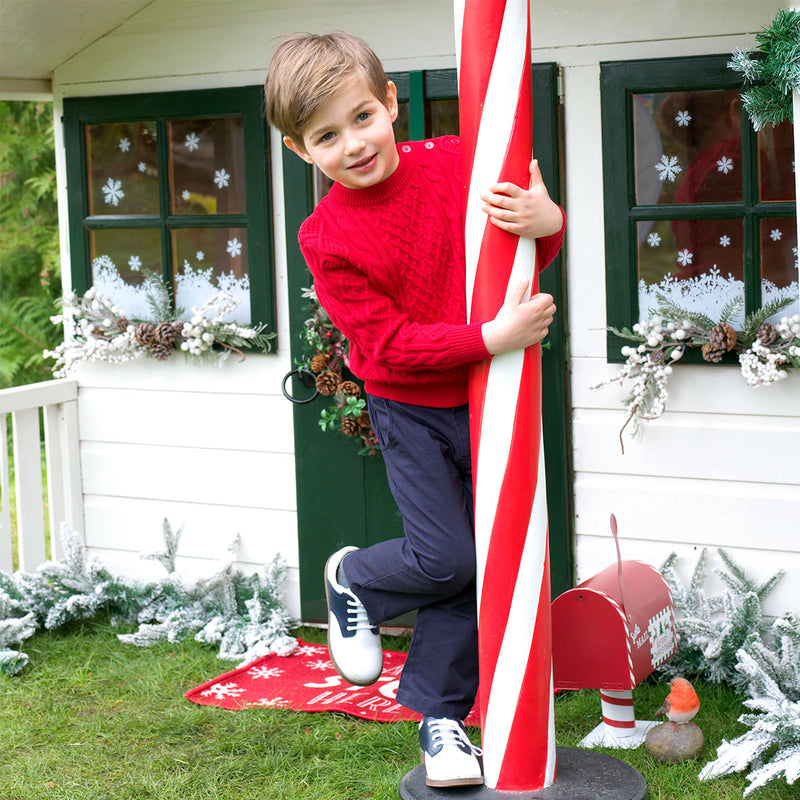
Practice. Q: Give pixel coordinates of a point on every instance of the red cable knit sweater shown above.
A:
(389, 268)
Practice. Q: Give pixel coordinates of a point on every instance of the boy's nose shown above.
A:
(353, 144)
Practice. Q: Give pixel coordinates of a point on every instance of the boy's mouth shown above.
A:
(364, 163)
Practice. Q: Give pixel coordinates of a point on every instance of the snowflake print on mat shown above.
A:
(124, 144)
(309, 650)
(320, 666)
(265, 672)
(683, 118)
(668, 168)
(192, 142)
(274, 702)
(725, 165)
(685, 257)
(653, 239)
(724, 241)
(776, 234)
(221, 690)
(113, 192)
(222, 178)
(234, 247)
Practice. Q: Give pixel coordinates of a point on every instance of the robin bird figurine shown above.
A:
(681, 704)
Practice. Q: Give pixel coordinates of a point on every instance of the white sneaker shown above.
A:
(449, 757)
(354, 643)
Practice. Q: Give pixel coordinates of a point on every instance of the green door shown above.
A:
(342, 497)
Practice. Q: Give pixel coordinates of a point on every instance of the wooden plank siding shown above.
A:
(720, 469)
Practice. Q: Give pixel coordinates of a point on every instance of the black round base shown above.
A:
(580, 775)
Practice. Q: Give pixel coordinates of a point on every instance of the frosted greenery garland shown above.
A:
(96, 329)
(773, 71)
(765, 351)
(241, 614)
(712, 629)
(772, 745)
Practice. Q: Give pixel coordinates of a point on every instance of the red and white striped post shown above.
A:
(516, 695)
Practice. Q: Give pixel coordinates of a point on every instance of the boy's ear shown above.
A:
(391, 100)
(297, 148)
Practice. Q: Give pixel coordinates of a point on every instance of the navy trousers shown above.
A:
(432, 569)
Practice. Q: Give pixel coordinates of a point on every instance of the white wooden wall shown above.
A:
(213, 449)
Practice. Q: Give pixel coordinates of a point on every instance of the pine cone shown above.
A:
(122, 323)
(351, 426)
(349, 389)
(178, 326)
(165, 334)
(318, 363)
(712, 353)
(160, 351)
(722, 337)
(144, 333)
(766, 334)
(364, 420)
(328, 382)
(657, 356)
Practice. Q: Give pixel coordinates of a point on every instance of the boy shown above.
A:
(386, 249)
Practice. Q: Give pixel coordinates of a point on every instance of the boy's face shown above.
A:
(351, 137)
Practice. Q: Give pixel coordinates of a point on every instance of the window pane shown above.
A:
(704, 279)
(122, 168)
(206, 158)
(687, 147)
(778, 255)
(122, 258)
(441, 118)
(208, 261)
(776, 162)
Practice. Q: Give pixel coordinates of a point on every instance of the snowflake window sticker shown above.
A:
(186, 194)
(199, 255)
(725, 165)
(192, 142)
(135, 263)
(685, 257)
(124, 144)
(222, 178)
(142, 167)
(683, 118)
(668, 168)
(234, 247)
(112, 192)
(776, 234)
(653, 239)
(724, 241)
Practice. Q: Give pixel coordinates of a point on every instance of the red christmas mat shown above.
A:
(307, 681)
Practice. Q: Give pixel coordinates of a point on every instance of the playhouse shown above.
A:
(164, 159)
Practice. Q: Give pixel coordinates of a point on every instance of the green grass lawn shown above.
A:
(91, 718)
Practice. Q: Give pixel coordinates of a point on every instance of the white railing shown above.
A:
(58, 401)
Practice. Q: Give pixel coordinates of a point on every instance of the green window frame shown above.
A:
(157, 218)
(619, 82)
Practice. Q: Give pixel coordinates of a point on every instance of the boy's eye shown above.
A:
(363, 116)
(326, 137)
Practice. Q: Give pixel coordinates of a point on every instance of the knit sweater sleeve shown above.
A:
(381, 332)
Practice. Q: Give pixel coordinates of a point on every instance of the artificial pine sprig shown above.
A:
(773, 72)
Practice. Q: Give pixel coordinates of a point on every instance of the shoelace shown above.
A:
(446, 732)
(357, 619)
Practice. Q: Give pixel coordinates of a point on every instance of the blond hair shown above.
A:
(307, 69)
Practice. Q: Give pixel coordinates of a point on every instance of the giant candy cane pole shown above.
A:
(516, 696)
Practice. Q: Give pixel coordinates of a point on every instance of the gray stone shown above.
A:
(671, 743)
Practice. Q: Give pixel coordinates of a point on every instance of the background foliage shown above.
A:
(30, 276)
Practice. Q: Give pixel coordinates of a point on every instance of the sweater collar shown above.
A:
(380, 192)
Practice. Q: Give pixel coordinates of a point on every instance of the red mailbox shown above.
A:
(614, 629)
(609, 633)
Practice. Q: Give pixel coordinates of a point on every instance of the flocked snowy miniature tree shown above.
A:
(711, 630)
(242, 614)
(772, 744)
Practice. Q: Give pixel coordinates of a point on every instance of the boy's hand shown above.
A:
(520, 322)
(526, 212)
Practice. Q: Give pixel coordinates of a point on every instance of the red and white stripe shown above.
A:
(516, 697)
(618, 715)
